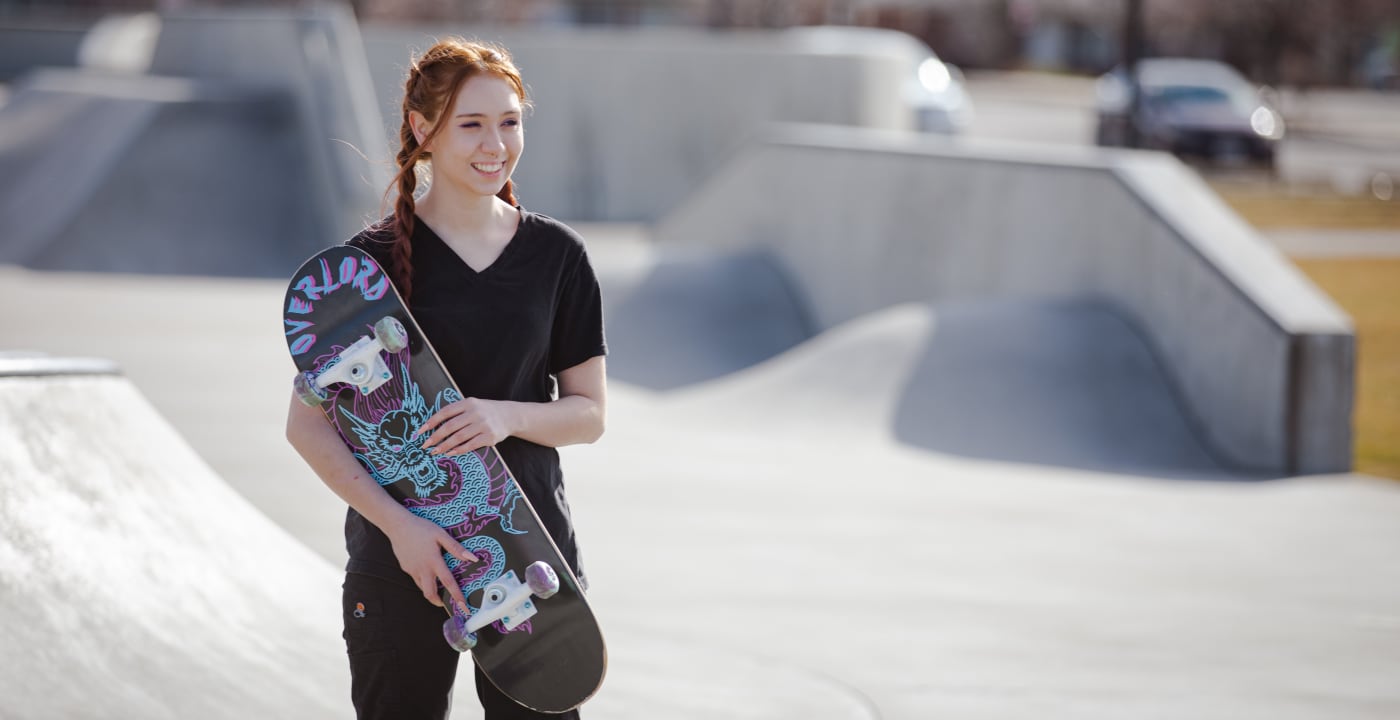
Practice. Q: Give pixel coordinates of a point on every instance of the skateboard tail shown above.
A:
(572, 691)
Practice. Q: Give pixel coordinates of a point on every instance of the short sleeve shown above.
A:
(377, 240)
(577, 335)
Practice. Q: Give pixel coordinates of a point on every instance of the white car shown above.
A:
(934, 91)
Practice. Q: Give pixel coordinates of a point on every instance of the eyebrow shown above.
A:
(482, 115)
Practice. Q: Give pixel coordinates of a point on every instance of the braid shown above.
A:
(407, 181)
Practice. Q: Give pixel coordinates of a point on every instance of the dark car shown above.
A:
(1192, 108)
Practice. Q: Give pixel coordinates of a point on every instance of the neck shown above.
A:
(468, 215)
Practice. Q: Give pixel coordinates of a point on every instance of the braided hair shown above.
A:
(434, 81)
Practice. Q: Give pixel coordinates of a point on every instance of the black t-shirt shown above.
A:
(503, 333)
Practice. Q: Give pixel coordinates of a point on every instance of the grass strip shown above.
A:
(1369, 290)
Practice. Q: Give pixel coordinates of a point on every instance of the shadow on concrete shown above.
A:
(1065, 383)
(693, 316)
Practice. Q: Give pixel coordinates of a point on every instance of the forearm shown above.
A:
(578, 416)
(322, 449)
(569, 420)
(418, 544)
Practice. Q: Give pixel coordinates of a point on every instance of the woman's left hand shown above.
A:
(466, 425)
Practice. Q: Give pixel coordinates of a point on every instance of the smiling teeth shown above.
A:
(493, 167)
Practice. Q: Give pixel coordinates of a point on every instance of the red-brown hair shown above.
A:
(434, 81)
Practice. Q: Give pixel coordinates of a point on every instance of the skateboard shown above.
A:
(365, 363)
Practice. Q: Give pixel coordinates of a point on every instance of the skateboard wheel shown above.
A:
(541, 578)
(391, 334)
(304, 385)
(454, 630)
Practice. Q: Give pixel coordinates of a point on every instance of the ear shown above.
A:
(419, 124)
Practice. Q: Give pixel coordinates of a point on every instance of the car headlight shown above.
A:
(934, 75)
(1266, 123)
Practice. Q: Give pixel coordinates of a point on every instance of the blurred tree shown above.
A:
(1297, 42)
(607, 12)
(1294, 42)
(1133, 34)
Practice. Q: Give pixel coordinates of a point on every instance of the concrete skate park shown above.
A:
(899, 426)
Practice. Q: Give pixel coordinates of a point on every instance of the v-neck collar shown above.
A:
(510, 244)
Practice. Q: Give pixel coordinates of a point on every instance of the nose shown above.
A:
(493, 143)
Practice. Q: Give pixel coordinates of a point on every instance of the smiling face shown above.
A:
(481, 138)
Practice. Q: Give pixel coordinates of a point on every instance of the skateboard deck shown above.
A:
(366, 364)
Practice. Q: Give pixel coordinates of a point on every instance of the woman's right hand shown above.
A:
(418, 545)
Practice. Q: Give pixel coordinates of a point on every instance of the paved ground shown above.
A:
(1314, 243)
(788, 541)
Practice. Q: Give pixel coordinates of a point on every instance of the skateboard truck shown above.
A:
(506, 600)
(360, 365)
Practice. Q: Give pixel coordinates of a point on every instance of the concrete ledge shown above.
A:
(19, 364)
(1262, 361)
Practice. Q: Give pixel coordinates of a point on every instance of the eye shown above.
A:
(470, 124)
(511, 123)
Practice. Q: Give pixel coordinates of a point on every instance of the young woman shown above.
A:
(510, 302)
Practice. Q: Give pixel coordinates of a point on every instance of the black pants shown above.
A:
(400, 666)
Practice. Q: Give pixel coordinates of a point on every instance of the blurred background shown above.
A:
(1070, 327)
(1289, 109)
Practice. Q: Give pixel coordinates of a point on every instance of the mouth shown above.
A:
(489, 168)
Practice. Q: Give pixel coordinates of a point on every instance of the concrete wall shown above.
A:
(1260, 358)
(25, 45)
(626, 124)
(315, 56)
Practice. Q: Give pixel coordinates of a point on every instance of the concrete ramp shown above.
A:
(152, 174)
(1065, 384)
(1261, 357)
(240, 153)
(136, 584)
(682, 316)
(62, 144)
(1068, 384)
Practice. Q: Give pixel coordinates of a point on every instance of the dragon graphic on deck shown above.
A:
(463, 493)
(392, 453)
